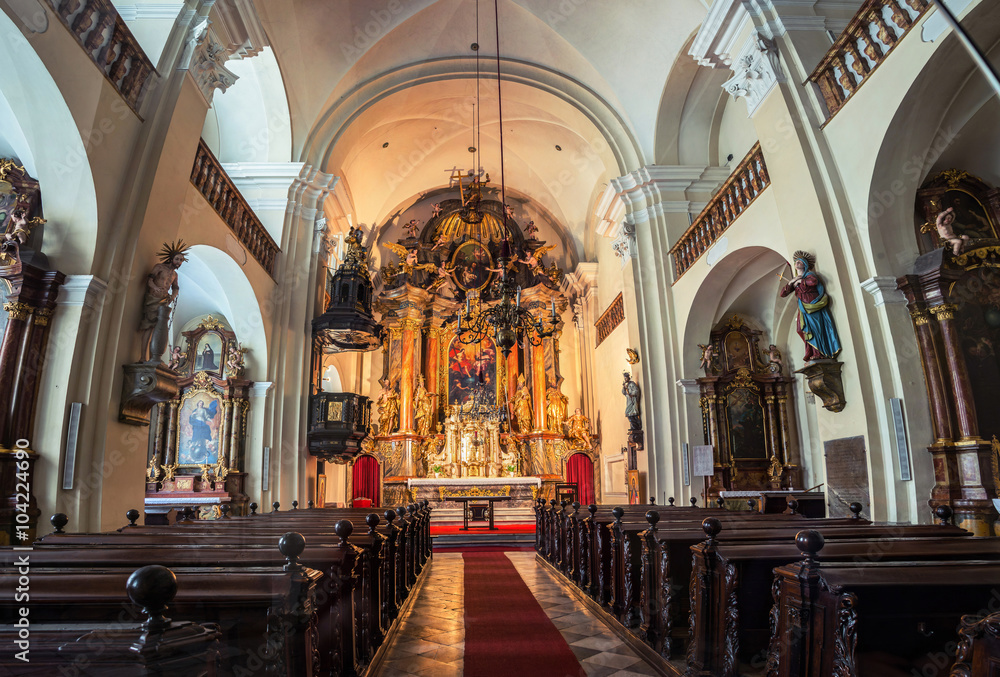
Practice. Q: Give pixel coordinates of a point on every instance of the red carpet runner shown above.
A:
(506, 632)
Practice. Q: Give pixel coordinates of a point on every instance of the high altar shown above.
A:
(456, 409)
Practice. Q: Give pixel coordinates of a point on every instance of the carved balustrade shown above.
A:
(104, 36)
(214, 184)
(747, 181)
(875, 30)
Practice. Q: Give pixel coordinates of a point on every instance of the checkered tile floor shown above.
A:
(431, 640)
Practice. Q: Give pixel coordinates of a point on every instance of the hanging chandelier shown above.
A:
(506, 322)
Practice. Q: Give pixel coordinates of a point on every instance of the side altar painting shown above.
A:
(200, 437)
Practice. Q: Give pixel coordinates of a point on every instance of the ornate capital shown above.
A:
(207, 64)
(625, 245)
(920, 317)
(756, 71)
(18, 310)
(944, 312)
(42, 317)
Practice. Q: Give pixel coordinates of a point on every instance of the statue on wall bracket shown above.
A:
(814, 324)
(632, 393)
(149, 381)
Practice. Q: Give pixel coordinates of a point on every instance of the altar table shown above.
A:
(466, 508)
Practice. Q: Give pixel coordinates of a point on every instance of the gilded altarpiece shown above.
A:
(744, 405)
(199, 438)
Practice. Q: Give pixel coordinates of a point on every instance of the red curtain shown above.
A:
(580, 471)
(365, 479)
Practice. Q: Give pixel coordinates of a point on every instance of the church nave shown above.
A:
(431, 640)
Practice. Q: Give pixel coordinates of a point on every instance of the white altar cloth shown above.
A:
(469, 481)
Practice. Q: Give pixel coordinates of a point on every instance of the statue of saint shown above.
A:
(630, 389)
(579, 430)
(814, 321)
(388, 405)
(161, 290)
(555, 409)
(422, 407)
(522, 406)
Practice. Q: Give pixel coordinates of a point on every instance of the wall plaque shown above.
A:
(846, 476)
(702, 460)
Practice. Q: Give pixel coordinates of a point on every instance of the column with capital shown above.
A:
(432, 363)
(409, 329)
(965, 406)
(931, 362)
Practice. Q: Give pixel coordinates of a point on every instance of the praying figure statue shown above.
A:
(579, 430)
(814, 322)
(522, 406)
(161, 293)
(388, 406)
(630, 389)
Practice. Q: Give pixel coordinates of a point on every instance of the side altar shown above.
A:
(522, 491)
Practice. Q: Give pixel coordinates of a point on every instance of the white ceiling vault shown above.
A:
(587, 76)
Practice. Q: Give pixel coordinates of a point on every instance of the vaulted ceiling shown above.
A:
(585, 75)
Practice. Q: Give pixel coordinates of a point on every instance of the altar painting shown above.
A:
(199, 430)
(208, 355)
(468, 366)
(471, 266)
(746, 424)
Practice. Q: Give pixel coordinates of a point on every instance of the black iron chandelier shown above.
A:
(506, 323)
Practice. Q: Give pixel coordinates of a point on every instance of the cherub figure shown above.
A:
(177, 359)
(946, 232)
(436, 210)
(707, 356)
(773, 358)
(412, 227)
(443, 275)
(441, 241)
(530, 229)
(508, 212)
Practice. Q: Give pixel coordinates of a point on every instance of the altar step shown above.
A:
(449, 517)
(480, 538)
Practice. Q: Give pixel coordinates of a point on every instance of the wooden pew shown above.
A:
(155, 646)
(978, 647)
(265, 615)
(350, 612)
(873, 618)
(730, 615)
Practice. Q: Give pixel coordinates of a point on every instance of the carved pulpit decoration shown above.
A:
(744, 400)
(200, 436)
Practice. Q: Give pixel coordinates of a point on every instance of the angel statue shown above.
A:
(235, 364)
(412, 227)
(408, 259)
(161, 293)
(530, 229)
(814, 322)
(947, 233)
(534, 259)
(18, 230)
(436, 210)
(707, 356)
(177, 359)
(443, 275)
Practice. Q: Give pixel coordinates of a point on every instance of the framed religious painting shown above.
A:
(321, 491)
(209, 353)
(633, 488)
(469, 367)
(199, 421)
(471, 266)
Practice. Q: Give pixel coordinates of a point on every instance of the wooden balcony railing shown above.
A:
(874, 31)
(104, 36)
(214, 184)
(738, 192)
